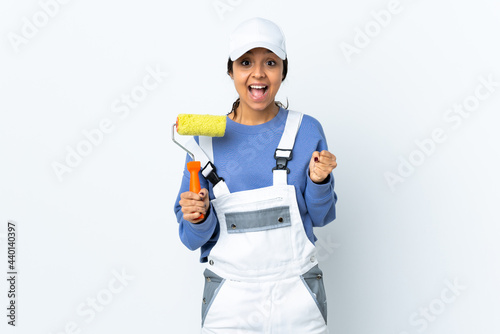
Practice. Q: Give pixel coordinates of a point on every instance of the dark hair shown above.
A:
(237, 102)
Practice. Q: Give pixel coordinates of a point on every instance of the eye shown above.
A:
(271, 63)
(245, 62)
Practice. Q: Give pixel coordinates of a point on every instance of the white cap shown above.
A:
(257, 33)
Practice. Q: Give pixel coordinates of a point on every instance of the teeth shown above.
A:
(257, 87)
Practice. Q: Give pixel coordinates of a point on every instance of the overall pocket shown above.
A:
(258, 220)
(313, 280)
(213, 283)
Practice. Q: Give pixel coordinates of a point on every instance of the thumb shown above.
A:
(203, 193)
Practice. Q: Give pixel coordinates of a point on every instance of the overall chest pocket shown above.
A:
(258, 220)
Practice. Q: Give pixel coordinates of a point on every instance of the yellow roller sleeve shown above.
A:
(201, 125)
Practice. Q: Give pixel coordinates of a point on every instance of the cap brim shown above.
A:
(241, 51)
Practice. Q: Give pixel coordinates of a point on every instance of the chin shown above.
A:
(259, 106)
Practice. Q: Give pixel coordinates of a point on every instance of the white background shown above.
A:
(387, 256)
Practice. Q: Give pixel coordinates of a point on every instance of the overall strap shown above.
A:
(206, 146)
(198, 153)
(204, 153)
(283, 153)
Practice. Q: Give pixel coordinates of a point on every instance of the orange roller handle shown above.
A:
(194, 183)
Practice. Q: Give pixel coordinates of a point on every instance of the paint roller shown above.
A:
(197, 125)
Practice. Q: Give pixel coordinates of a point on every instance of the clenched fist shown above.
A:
(321, 165)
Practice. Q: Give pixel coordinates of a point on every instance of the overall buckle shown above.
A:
(282, 157)
(209, 172)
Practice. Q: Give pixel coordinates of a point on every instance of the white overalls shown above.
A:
(262, 275)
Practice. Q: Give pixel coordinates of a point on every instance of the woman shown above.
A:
(274, 185)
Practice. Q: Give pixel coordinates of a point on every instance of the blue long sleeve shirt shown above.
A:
(244, 157)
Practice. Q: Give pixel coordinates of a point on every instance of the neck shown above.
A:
(247, 116)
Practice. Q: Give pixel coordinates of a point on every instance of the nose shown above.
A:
(259, 71)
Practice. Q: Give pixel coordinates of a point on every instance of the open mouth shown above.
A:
(257, 91)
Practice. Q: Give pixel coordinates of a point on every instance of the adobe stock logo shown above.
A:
(122, 107)
(30, 27)
(427, 314)
(97, 303)
(455, 116)
(221, 7)
(373, 28)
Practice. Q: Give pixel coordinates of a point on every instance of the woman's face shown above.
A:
(257, 77)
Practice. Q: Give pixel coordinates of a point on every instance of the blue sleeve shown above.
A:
(203, 235)
(321, 198)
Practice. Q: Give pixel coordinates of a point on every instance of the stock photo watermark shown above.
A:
(255, 318)
(121, 107)
(454, 117)
(363, 37)
(97, 303)
(222, 7)
(421, 319)
(12, 273)
(31, 26)
(325, 247)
